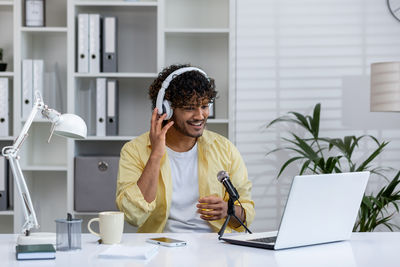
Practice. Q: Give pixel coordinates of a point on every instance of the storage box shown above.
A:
(95, 183)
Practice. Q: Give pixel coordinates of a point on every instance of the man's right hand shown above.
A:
(158, 134)
(148, 181)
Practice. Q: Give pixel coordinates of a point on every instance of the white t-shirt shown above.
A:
(183, 216)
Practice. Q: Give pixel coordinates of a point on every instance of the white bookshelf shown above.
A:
(115, 3)
(46, 168)
(6, 3)
(7, 212)
(44, 29)
(151, 35)
(7, 42)
(8, 74)
(116, 75)
(6, 138)
(205, 31)
(109, 138)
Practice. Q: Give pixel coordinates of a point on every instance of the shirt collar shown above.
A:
(205, 139)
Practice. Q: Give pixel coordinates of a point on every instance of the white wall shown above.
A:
(293, 54)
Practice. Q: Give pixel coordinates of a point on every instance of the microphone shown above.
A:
(223, 177)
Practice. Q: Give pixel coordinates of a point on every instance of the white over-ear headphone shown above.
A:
(164, 106)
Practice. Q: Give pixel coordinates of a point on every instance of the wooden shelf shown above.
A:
(6, 212)
(218, 121)
(46, 168)
(116, 75)
(197, 31)
(86, 213)
(45, 29)
(38, 119)
(6, 3)
(115, 3)
(9, 74)
(7, 138)
(108, 138)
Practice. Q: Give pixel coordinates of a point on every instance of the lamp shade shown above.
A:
(72, 126)
(385, 86)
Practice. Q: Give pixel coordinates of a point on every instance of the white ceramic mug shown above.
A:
(111, 224)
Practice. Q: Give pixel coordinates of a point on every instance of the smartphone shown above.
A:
(166, 241)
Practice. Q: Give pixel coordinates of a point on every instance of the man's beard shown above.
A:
(180, 127)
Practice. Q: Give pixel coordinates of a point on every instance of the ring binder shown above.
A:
(112, 107)
(101, 106)
(27, 88)
(94, 43)
(110, 63)
(83, 43)
(4, 113)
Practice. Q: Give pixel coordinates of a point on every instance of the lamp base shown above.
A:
(37, 238)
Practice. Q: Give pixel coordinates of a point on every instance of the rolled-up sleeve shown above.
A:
(129, 198)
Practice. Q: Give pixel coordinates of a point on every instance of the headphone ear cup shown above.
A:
(167, 109)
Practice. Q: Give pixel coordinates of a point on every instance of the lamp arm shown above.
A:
(11, 153)
(27, 207)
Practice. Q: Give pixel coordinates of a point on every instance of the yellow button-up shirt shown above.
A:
(215, 153)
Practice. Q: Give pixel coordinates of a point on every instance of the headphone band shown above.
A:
(167, 81)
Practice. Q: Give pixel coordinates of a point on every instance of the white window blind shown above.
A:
(294, 54)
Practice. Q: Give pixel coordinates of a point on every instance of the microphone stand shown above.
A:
(231, 213)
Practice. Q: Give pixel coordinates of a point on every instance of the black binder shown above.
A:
(110, 46)
(112, 108)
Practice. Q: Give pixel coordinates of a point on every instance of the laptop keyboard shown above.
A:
(271, 239)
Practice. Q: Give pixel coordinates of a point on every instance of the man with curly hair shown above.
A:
(167, 179)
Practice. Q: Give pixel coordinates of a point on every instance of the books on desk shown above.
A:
(35, 252)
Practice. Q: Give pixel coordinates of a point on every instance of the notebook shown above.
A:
(119, 251)
(320, 209)
(35, 252)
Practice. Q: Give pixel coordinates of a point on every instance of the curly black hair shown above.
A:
(185, 88)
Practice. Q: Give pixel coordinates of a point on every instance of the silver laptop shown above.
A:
(320, 209)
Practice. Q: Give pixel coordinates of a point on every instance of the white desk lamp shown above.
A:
(385, 86)
(67, 125)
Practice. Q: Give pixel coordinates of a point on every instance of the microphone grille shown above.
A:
(221, 175)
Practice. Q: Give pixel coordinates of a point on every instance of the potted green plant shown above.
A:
(319, 155)
(3, 65)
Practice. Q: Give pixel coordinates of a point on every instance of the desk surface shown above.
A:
(364, 249)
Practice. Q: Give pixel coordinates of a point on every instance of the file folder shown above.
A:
(3, 184)
(38, 76)
(94, 43)
(101, 106)
(110, 45)
(112, 107)
(83, 43)
(4, 114)
(27, 88)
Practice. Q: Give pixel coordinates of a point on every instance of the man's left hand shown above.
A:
(212, 208)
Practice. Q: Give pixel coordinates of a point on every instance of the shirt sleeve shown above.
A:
(129, 198)
(239, 176)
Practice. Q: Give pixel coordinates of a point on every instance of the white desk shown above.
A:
(366, 249)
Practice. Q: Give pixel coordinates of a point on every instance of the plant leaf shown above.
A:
(316, 119)
(376, 153)
(287, 164)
